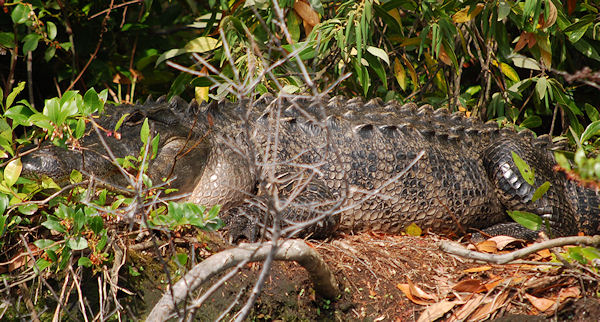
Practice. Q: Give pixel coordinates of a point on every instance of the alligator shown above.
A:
(356, 165)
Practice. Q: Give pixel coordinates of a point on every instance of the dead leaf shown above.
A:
(468, 308)
(491, 285)
(545, 254)
(415, 294)
(540, 304)
(307, 13)
(490, 306)
(437, 310)
(470, 285)
(552, 15)
(503, 241)
(443, 56)
(573, 292)
(477, 269)
(487, 246)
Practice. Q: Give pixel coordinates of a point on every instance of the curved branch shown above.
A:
(290, 250)
(457, 249)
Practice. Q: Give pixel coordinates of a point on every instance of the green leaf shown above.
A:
(30, 42)
(592, 112)
(43, 243)
(11, 97)
(49, 53)
(540, 191)
(77, 243)
(41, 264)
(180, 259)
(587, 49)
(7, 40)
(531, 122)
(91, 102)
(3, 203)
(527, 219)
(51, 27)
(198, 45)
(48, 183)
(53, 224)
(79, 219)
(28, 209)
(80, 129)
(96, 224)
(541, 86)
(154, 145)
(84, 261)
(20, 14)
(75, 176)
(121, 121)
(145, 131)
(524, 62)
(590, 131)
(524, 168)
(133, 271)
(562, 160)
(380, 53)
(12, 172)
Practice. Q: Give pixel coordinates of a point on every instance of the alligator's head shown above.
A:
(180, 150)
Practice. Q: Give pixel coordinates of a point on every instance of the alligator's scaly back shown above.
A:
(465, 179)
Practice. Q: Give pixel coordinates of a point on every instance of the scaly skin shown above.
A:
(465, 179)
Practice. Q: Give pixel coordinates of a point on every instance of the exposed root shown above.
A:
(290, 250)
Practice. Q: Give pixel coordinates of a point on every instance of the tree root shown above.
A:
(290, 250)
(457, 249)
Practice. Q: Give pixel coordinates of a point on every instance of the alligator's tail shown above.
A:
(587, 208)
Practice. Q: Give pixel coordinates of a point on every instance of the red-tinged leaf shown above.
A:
(571, 4)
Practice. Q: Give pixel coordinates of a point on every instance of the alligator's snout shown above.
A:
(45, 162)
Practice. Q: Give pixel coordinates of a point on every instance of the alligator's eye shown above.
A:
(135, 118)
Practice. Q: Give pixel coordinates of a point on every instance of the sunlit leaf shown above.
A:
(526, 219)
(540, 191)
(400, 73)
(464, 15)
(524, 168)
(12, 172)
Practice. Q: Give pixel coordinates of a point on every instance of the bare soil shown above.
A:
(404, 278)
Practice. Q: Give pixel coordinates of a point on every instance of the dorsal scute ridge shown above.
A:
(373, 104)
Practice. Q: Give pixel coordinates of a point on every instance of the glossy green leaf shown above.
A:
(12, 172)
(145, 132)
(13, 94)
(562, 160)
(84, 261)
(51, 28)
(77, 243)
(7, 40)
(524, 168)
(541, 86)
(53, 224)
(380, 53)
(540, 191)
(20, 14)
(30, 42)
(28, 209)
(43, 243)
(590, 131)
(527, 219)
(96, 224)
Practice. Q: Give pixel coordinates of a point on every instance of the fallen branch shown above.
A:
(290, 250)
(457, 249)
